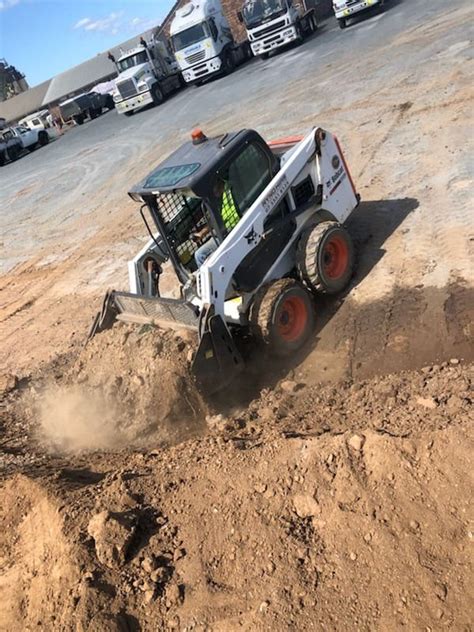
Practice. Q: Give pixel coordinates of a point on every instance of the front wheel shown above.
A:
(157, 94)
(342, 23)
(228, 64)
(264, 56)
(282, 316)
(325, 257)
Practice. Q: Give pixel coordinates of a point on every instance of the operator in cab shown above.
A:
(230, 218)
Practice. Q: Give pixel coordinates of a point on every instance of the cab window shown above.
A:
(248, 174)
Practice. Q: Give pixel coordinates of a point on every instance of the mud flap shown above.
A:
(217, 360)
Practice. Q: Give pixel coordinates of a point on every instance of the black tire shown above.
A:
(129, 113)
(325, 257)
(342, 23)
(43, 139)
(228, 64)
(79, 119)
(157, 94)
(264, 55)
(282, 316)
(32, 147)
(14, 153)
(2, 158)
(109, 103)
(300, 34)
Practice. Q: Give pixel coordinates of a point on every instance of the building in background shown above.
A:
(99, 69)
(12, 81)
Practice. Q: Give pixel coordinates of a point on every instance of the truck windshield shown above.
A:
(190, 36)
(132, 60)
(257, 11)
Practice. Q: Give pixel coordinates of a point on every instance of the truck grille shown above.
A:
(127, 88)
(193, 59)
(270, 29)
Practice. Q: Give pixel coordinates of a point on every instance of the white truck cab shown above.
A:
(202, 41)
(345, 9)
(274, 23)
(146, 74)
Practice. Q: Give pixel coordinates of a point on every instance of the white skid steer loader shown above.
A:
(271, 218)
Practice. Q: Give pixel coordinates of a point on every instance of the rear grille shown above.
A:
(270, 29)
(193, 59)
(127, 88)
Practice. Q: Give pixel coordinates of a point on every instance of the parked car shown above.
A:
(14, 140)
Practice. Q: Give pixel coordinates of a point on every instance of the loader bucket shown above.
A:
(132, 308)
(217, 360)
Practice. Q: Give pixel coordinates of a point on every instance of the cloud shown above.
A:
(7, 4)
(112, 23)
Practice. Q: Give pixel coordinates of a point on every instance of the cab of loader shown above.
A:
(180, 193)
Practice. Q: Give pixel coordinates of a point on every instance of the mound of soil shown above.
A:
(335, 507)
(130, 386)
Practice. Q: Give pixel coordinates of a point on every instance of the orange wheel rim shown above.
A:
(335, 257)
(292, 318)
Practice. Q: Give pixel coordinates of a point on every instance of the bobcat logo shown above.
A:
(251, 236)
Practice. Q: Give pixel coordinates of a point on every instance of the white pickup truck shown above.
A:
(346, 9)
(13, 140)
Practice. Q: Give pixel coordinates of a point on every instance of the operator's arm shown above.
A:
(200, 234)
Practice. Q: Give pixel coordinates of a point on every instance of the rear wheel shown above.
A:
(43, 139)
(282, 316)
(325, 257)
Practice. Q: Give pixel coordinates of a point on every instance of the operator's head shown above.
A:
(219, 188)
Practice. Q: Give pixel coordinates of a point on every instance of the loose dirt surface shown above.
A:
(334, 507)
(331, 493)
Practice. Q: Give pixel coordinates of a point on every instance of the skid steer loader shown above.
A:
(286, 242)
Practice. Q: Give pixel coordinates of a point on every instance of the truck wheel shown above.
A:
(157, 94)
(109, 104)
(32, 147)
(282, 316)
(264, 55)
(342, 23)
(43, 139)
(2, 158)
(79, 119)
(228, 64)
(325, 257)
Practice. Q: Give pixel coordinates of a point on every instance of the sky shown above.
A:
(42, 38)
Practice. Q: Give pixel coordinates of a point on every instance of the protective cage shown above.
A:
(181, 216)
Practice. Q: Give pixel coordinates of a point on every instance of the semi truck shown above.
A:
(203, 43)
(147, 74)
(274, 23)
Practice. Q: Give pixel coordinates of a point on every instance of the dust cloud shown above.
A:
(74, 419)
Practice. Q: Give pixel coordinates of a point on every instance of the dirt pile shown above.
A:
(130, 386)
(330, 507)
